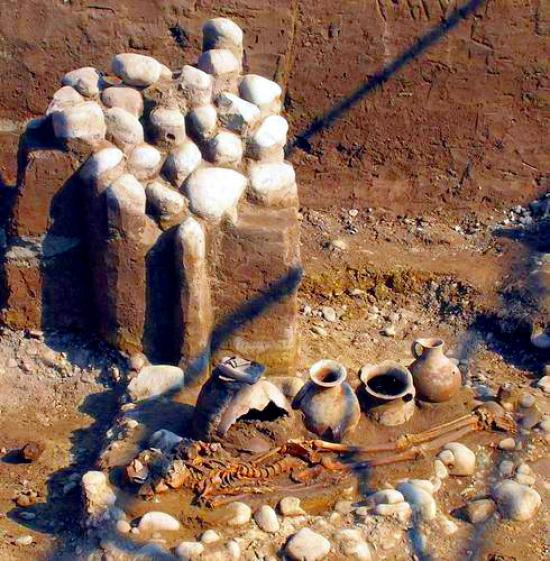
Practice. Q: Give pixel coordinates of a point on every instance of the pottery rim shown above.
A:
(327, 373)
(372, 370)
(430, 342)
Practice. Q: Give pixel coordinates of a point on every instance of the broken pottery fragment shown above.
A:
(232, 392)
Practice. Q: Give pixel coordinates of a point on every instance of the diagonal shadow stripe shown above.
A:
(301, 140)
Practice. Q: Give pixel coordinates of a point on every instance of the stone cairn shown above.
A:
(157, 208)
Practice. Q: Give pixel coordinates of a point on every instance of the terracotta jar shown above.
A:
(329, 404)
(436, 377)
(387, 393)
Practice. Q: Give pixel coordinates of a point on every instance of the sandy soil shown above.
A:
(466, 279)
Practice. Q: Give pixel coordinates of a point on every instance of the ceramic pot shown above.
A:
(329, 404)
(233, 390)
(387, 393)
(436, 377)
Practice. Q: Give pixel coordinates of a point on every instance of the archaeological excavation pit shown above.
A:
(158, 212)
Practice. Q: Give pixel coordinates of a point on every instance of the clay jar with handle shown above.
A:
(329, 404)
(436, 377)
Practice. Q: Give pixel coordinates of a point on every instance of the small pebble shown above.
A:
(479, 510)
(123, 527)
(506, 468)
(544, 384)
(189, 551)
(32, 451)
(238, 514)
(329, 314)
(527, 400)
(507, 444)
(340, 245)
(307, 545)
(389, 331)
(24, 540)
(210, 536)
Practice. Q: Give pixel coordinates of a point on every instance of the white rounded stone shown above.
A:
(506, 468)
(235, 113)
(219, 62)
(98, 494)
(169, 125)
(64, 97)
(402, 511)
(260, 91)
(210, 536)
(425, 484)
(101, 162)
(123, 527)
(385, 496)
(213, 192)
(189, 551)
(440, 469)
(144, 161)
(191, 236)
(238, 514)
(123, 128)
(420, 500)
(127, 193)
(307, 545)
(352, 545)
(204, 121)
(225, 148)
(84, 80)
(156, 521)
(135, 69)
(267, 520)
(196, 85)
(290, 506)
(181, 162)
(507, 444)
(463, 462)
(165, 72)
(233, 549)
(153, 381)
(273, 184)
(165, 201)
(544, 384)
(124, 97)
(516, 501)
(83, 121)
(269, 139)
(221, 33)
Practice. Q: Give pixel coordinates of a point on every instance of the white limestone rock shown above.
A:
(192, 238)
(82, 121)
(203, 121)
(401, 511)
(189, 551)
(98, 495)
(463, 461)
(182, 162)
(222, 33)
(219, 62)
(196, 85)
(64, 97)
(213, 192)
(290, 506)
(420, 499)
(267, 520)
(102, 163)
(85, 81)
(233, 550)
(268, 141)
(164, 440)
(124, 97)
(260, 91)
(236, 114)
(135, 69)
(165, 73)
(169, 126)
(156, 380)
(273, 184)
(352, 545)
(385, 496)
(307, 545)
(238, 514)
(156, 521)
(144, 162)
(164, 201)
(225, 148)
(210, 536)
(123, 128)
(516, 501)
(125, 194)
